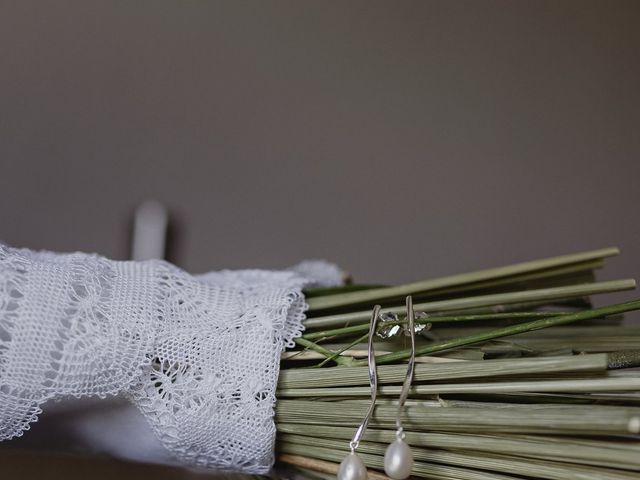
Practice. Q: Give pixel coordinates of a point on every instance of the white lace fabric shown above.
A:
(198, 355)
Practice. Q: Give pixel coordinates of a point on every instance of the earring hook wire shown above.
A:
(373, 380)
(406, 386)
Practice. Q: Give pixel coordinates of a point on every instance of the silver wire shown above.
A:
(373, 381)
(406, 386)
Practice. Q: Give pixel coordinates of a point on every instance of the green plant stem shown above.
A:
(516, 418)
(345, 348)
(480, 337)
(546, 294)
(567, 384)
(595, 452)
(541, 468)
(430, 471)
(375, 295)
(433, 319)
(507, 331)
(298, 378)
(330, 354)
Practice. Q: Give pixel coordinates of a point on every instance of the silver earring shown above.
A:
(398, 459)
(352, 467)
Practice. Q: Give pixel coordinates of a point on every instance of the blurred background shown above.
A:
(401, 140)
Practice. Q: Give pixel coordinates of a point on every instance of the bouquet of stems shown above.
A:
(517, 376)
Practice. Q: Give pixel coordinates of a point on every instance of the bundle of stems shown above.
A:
(518, 376)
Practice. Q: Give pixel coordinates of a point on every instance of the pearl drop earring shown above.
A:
(398, 459)
(352, 467)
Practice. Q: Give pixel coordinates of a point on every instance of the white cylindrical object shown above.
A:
(149, 231)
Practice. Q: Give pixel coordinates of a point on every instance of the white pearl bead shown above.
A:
(352, 468)
(398, 460)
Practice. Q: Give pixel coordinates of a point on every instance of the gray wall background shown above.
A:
(401, 139)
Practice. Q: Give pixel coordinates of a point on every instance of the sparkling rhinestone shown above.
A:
(388, 317)
(387, 331)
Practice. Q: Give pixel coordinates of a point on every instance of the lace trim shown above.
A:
(198, 356)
